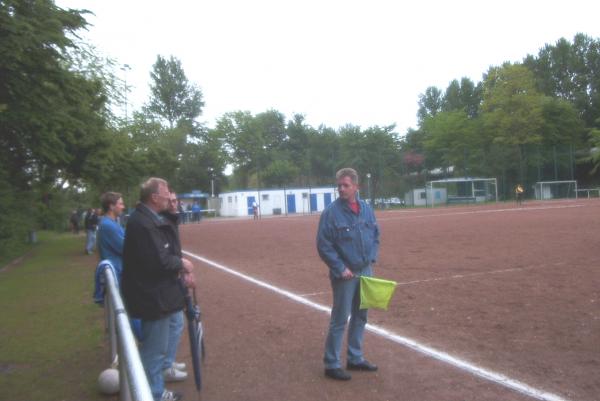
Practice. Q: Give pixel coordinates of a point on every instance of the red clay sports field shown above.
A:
(497, 302)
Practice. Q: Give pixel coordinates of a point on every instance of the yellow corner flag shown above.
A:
(375, 292)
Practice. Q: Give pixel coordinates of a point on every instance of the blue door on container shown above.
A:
(291, 203)
(327, 199)
(250, 202)
(313, 202)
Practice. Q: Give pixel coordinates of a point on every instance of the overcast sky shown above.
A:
(337, 62)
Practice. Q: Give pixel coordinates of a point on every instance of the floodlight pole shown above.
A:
(212, 182)
(126, 68)
(369, 189)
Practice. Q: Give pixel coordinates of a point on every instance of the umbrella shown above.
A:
(196, 335)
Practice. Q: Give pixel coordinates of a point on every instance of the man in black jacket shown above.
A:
(152, 266)
(91, 224)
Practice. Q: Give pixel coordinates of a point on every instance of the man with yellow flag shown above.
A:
(348, 242)
(519, 194)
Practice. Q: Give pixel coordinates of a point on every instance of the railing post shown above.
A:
(112, 330)
(134, 383)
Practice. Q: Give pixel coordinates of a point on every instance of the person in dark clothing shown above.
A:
(151, 287)
(91, 225)
(75, 222)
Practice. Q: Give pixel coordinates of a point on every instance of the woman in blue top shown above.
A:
(111, 235)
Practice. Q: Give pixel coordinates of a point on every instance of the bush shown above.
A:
(15, 222)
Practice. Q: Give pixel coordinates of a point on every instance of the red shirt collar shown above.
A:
(354, 206)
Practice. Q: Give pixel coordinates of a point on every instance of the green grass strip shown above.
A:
(52, 339)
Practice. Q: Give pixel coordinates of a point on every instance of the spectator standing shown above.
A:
(196, 211)
(181, 212)
(151, 284)
(172, 370)
(91, 225)
(74, 219)
(111, 235)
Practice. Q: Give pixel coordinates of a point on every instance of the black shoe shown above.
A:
(364, 365)
(337, 374)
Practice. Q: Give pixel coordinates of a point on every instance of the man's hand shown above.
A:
(187, 273)
(188, 280)
(347, 274)
(187, 265)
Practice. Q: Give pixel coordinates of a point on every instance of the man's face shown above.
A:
(118, 207)
(173, 203)
(161, 199)
(347, 189)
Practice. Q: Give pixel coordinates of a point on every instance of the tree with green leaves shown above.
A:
(54, 114)
(203, 162)
(594, 152)
(430, 103)
(464, 96)
(570, 71)
(173, 97)
(52, 117)
(452, 139)
(254, 142)
(512, 109)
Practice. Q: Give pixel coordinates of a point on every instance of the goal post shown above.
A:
(461, 190)
(588, 193)
(546, 190)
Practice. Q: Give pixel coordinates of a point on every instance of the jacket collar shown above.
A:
(173, 218)
(151, 214)
(346, 205)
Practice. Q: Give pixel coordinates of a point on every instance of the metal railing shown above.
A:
(587, 192)
(123, 347)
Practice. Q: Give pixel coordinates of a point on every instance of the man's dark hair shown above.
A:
(109, 198)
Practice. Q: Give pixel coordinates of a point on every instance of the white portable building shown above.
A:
(423, 197)
(276, 201)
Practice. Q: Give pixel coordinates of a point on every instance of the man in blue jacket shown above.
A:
(348, 242)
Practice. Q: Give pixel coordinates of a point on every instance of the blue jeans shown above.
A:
(153, 351)
(91, 241)
(346, 302)
(175, 330)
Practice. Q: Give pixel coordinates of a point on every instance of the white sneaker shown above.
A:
(173, 375)
(170, 396)
(179, 365)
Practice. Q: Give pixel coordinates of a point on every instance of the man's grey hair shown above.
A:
(151, 187)
(347, 172)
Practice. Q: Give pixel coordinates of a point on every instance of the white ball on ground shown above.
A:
(108, 381)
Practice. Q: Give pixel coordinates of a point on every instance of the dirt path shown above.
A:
(510, 290)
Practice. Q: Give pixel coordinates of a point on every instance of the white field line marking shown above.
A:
(312, 294)
(522, 209)
(469, 367)
(456, 276)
